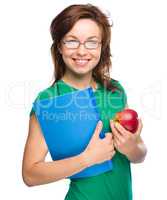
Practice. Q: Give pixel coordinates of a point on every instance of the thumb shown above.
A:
(97, 130)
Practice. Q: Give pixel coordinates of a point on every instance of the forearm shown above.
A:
(47, 172)
(138, 153)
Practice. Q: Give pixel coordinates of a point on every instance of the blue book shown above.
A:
(68, 123)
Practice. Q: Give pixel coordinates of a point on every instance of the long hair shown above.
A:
(64, 22)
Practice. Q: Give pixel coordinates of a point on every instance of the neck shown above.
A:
(79, 82)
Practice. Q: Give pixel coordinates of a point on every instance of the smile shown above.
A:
(81, 62)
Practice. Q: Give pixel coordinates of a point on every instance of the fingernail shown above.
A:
(112, 124)
(116, 123)
(100, 123)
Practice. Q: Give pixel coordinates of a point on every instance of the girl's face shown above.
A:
(80, 57)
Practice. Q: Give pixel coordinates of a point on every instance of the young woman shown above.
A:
(81, 55)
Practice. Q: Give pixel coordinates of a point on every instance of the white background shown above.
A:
(139, 47)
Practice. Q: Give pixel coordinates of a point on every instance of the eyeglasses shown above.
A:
(74, 44)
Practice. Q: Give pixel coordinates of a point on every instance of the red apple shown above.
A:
(128, 118)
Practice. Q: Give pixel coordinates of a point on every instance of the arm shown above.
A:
(35, 171)
(138, 153)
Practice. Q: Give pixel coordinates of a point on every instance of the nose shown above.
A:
(81, 50)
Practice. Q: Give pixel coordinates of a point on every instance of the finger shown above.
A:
(108, 134)
(97, 130)
(117, 138)
(108, 137)
(121, 129)
(112, 147)
(116, 133)
(116, 143)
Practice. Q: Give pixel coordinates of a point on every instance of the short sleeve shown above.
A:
(124, 95)
(31, 112)
(47, 93)
(32, 109)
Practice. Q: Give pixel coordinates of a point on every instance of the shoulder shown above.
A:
(118, 85)
(120, 91)
(46, 93)
(114, 86)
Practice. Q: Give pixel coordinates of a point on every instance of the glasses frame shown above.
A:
(80, 43)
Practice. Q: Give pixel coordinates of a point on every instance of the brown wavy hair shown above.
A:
(64, 22)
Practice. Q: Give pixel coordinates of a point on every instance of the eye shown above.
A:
(71, 43)
(92, 44)
(92, 41)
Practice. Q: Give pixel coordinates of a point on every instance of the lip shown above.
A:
(81, 59)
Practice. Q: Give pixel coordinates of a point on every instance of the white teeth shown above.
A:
(81, 61)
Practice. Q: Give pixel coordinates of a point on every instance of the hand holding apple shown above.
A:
(124, 141)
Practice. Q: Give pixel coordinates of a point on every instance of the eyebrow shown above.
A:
(91, 37)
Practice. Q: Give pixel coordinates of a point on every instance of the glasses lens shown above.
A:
(91, 44)
(71, 44)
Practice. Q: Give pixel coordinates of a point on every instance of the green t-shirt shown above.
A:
(112, 185)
